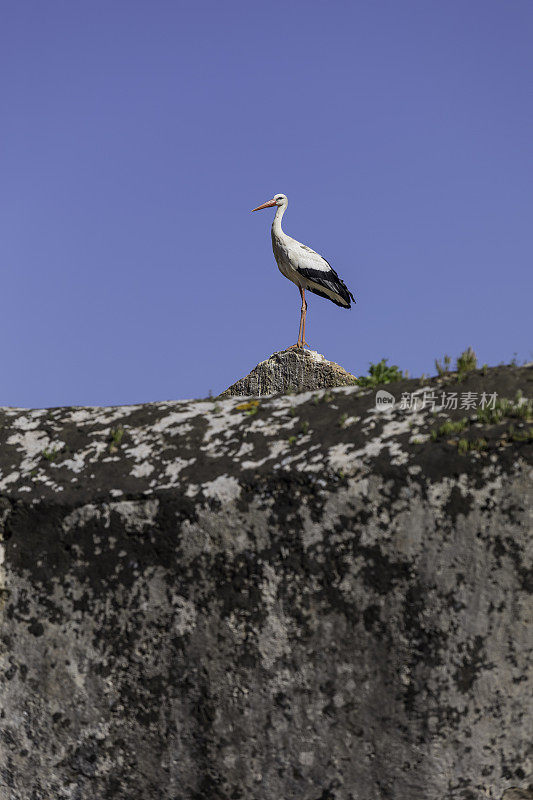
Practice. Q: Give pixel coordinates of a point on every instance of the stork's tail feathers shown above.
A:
(343, 297)
(343, 292)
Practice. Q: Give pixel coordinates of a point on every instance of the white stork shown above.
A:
(304, 267)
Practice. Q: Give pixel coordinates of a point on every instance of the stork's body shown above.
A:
(307, 269)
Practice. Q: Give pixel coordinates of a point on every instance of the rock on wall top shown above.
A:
(291, 597)
(295, 370)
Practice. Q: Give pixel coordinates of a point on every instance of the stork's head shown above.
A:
(277, 200)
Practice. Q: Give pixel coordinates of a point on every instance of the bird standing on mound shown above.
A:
(304, 267)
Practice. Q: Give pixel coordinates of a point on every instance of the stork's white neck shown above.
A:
(276, 225)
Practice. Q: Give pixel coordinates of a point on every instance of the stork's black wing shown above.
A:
(322, 279)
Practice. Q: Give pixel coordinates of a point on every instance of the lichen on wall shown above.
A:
(304, 597)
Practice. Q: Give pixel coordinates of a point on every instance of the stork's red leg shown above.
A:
(301, 330)
(304, 312)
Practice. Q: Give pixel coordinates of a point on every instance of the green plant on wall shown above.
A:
(381, 373)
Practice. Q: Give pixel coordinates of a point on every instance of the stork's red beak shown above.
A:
(265, 205)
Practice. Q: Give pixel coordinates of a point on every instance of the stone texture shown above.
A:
(296, 370)
(299, 597)
(518, 794)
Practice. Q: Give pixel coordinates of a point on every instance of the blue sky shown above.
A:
(137, 136)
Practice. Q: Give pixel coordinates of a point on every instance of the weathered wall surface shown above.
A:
(302, 599)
